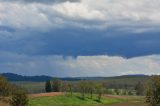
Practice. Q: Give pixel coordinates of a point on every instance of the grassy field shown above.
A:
(59, 99)
(64, 100)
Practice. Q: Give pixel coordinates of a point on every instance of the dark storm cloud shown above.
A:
(75, 42)
(39, 1)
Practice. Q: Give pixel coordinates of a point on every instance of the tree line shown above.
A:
(83, 87)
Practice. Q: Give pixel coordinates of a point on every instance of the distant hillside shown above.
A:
(15, 77)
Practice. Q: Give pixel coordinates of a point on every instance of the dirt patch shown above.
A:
(46, 94)
(4, 104)
(128, 104)
(4, 101)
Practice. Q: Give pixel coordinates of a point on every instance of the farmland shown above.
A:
(116, 91)
(66, 100)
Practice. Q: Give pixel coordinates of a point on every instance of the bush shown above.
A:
(19, 98)
(130, 93)
(117, 91)
(56, 85)
(4, 87)
(153, 91)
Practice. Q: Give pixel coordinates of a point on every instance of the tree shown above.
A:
(4, 87)
(91, 88)
(19, 98)
(48, 86)
(153, 91)
(70, 87)
(139, 89)
(99, 90)
(125, 91)
(56, 85)
(117, 91)
(82, 85)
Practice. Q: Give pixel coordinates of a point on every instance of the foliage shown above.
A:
(153, 91)
(82, 86)
(130, 93)
(99, 90)
(19, 98)
(56, 85)
(4, 87)
(70, 87)
(117, 91)
(48, 86)
(139, 89)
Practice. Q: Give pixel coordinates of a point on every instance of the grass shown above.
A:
(64, 100)
(76, 100)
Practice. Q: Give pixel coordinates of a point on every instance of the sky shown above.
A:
(80, 38)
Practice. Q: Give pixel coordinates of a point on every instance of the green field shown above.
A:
(64, 100)
(69, 101)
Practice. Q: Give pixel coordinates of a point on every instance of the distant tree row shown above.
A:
(83, 87)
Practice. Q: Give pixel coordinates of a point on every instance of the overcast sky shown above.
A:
(72, 38)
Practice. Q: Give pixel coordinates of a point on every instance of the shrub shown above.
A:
(19, 98)
(56, 85)
(4, 87)
(153, 91)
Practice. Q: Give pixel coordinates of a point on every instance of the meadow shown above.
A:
(61, 99)
(76, 100)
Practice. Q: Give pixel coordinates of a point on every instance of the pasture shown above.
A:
(76, 100)
(61, 99)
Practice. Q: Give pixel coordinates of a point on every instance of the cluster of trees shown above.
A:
(83, 87)
(88, 87)
(17, 96)
(54, 86)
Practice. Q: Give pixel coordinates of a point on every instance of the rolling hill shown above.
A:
(16, 77)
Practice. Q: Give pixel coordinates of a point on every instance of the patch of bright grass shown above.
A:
(64, 100)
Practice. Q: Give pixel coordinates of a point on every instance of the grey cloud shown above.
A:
(39, 1)
(89, 14)
(78, 67)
